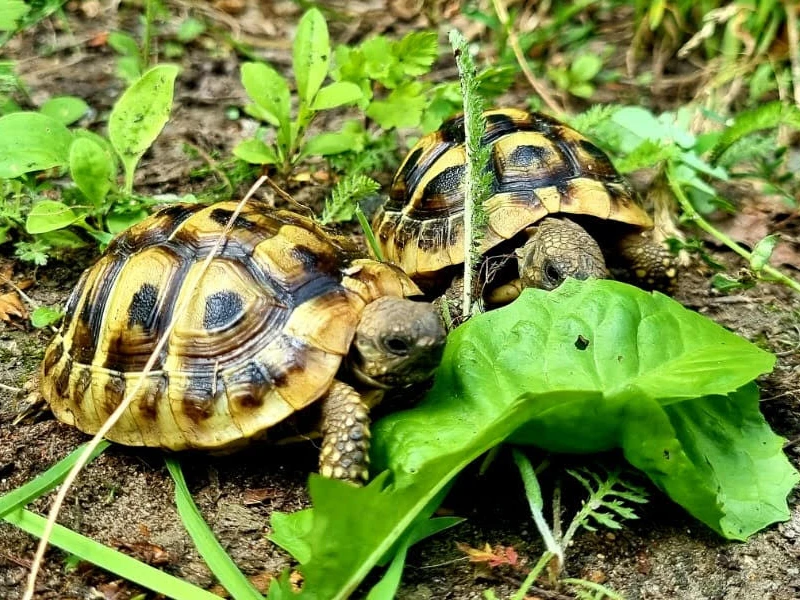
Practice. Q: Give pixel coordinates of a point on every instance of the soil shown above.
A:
(125, 498)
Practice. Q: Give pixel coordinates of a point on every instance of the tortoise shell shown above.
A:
(539, 167)
(255, 338)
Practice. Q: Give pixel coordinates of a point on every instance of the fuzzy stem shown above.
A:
(694, 216)
(534, 495)
(476, 189)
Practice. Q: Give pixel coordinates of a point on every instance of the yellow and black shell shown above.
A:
(255, 337)
(539, 165)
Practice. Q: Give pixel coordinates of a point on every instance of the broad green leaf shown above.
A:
(269, 90)
(311, 54)
(402, 108)
(379, 60)
(11, 11)
(725, 454)
(129, 68)
(651, 368)
(139, 116)
(32, 141)
(325, 144)
(46, 315)
(690, 158)
(289, 531)
(190, 29)
(105, 144)
(336, 94)
(762, 252)
(62, 238)
(585, 67)
(120, 217)
(124, 44)
(90, 169)
(256, 152)
(48, 215)
(66, 109)
(417, 52)
(582, 89)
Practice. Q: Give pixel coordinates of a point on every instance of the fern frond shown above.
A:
(606, 503)
(341, 204)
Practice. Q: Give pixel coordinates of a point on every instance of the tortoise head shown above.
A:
(398, 342)
(559, 249)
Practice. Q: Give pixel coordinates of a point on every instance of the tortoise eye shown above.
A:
(551, 272)
(397, 345)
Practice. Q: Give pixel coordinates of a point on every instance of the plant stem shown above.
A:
(149, 16)
(693, 215)
(531, 578)
(534, 494)
(791, 33)
(513, 41)
(476, 188)
(591, 585)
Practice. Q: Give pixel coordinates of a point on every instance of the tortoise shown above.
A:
(542, 171)
(286, 316)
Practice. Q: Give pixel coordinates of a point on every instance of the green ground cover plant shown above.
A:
(380, 77)
(691, 164)
(35, 142)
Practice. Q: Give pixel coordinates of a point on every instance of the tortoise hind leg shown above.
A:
(345, 435)
(646, 263)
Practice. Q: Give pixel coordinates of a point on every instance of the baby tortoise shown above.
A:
(286, 316)
(557, 204)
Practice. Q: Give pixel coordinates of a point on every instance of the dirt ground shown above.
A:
(125, 498)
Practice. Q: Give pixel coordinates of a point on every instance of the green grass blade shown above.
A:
(109, 559)
(224, 569)
(45, 482)
(373, 243)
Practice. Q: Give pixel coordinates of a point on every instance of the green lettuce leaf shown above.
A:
(592, 366)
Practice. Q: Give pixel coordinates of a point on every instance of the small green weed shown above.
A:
(33, 142)
(381, 77)
(345, 196)
(272, 101)
(691, 163)
(135, 58)
(605, 506)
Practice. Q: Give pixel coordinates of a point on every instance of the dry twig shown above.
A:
(538, 87)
